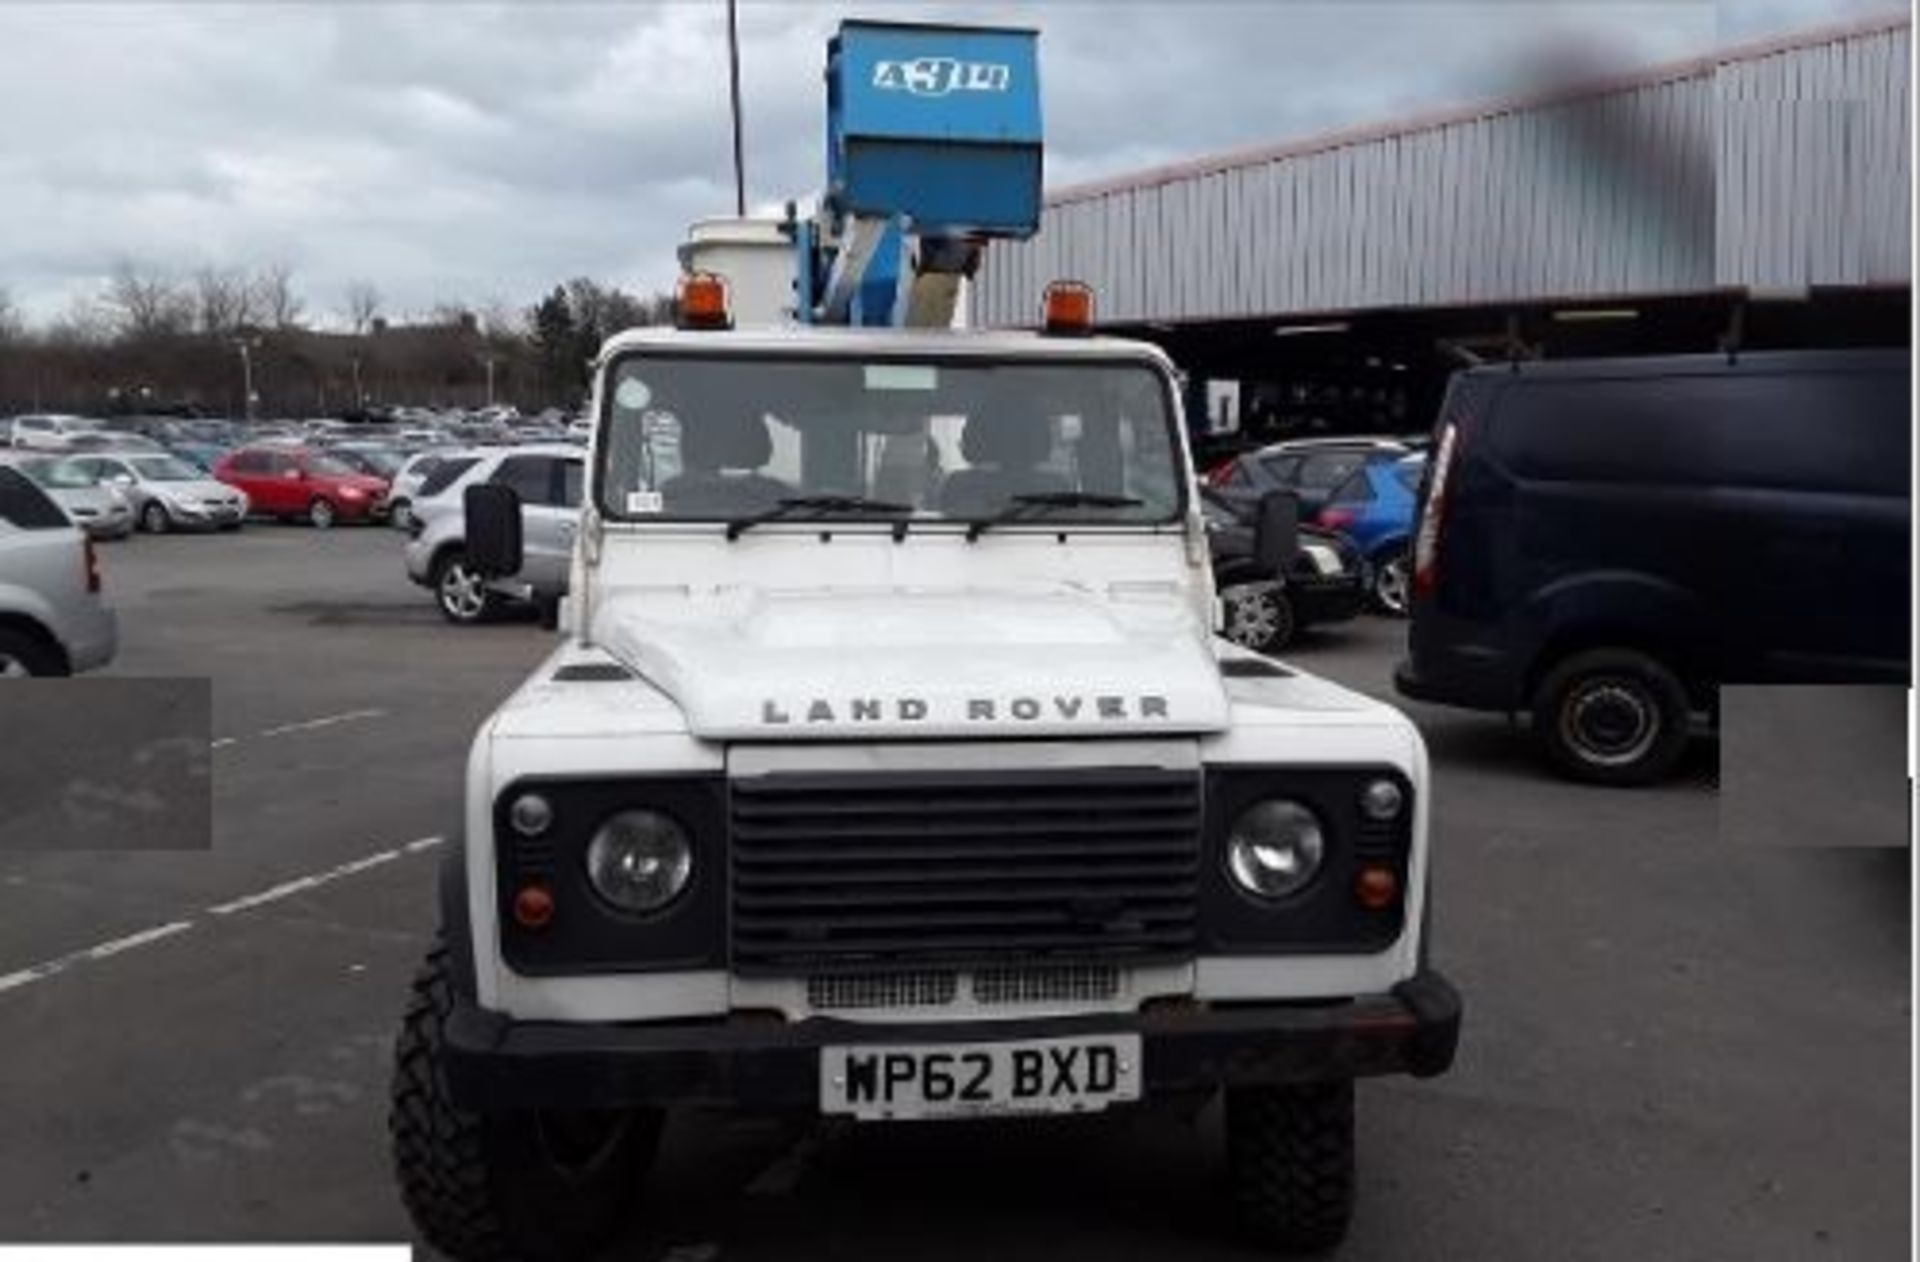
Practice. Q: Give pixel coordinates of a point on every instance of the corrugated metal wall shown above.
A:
(1783, 169)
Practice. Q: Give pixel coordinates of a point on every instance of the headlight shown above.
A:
(1275, 848)
(352, 493)
(639, 860)
(1326, 560)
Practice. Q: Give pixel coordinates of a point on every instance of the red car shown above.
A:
(298, 482)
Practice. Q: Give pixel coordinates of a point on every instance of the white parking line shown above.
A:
(300, 885)
(146, 937)
(330, 720)
(61, 963)
(305, 725)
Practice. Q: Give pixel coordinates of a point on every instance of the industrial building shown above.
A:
(1759, 196)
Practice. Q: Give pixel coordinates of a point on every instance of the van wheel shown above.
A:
(1611, 716)
(487, 1187)
(1290, 1163)
(1258, 616)
(24, 656)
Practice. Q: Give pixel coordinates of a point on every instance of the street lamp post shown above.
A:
(245, 346)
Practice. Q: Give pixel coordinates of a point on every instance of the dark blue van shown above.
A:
(1602, 543)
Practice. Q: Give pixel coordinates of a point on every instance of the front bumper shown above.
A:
(762, 1062)
(205, 516)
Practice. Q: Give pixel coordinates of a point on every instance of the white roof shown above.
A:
(833, 340)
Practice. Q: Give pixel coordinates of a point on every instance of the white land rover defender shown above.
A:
(890, 768)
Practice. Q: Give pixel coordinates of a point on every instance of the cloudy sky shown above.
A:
(463, 152)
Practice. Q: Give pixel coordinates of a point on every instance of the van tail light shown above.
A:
(1426, 541)
(93, 566)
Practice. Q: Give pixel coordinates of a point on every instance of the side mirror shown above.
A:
(495, 548)
(1276, 530)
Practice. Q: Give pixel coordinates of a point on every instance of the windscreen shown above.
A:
(166, 469)
(710, 439)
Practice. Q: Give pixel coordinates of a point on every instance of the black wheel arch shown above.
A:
(1686, 657)
(33, 629)
(455, 923)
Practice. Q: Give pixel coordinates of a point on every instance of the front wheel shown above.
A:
(1290, 1163)
(1259, 616)
(1611, 716)
(488, 1187)
(320, 514)
(1391, 573)
(154, 519)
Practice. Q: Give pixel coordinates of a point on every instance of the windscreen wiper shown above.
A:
(817, 504)
(1019, 506)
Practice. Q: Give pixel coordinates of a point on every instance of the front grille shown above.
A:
(881, 990)
(845, 873)
(1068, 983)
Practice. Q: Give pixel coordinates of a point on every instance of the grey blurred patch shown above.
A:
(106, 764)
(1814, 765)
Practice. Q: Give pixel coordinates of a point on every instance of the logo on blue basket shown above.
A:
(937, 76)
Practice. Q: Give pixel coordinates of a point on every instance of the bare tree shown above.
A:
(363, 304)
(84, 323)
(503, 321)
(145, 304)
(274, 302)
(223, 301)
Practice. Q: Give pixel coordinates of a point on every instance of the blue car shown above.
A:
(1374, 508)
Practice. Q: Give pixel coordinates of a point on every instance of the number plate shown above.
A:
(1067, 1075)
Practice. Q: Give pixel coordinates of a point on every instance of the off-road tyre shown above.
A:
(1290, 1162)
(484, 1187)
(1632, 686)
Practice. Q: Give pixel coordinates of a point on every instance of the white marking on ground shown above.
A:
(61, 963)
(301, 884)
(281, 890)
(304, 725)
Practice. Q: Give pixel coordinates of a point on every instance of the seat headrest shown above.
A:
(1008, 440)
(725, 441)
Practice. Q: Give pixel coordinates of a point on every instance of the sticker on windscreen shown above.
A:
(633, 394)
(639, 502)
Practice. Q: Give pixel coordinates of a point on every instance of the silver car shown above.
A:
(548, 479)
(166, 492)
(49, 431)
(99, 510)
(52, 618)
